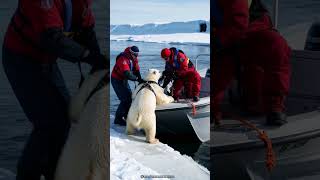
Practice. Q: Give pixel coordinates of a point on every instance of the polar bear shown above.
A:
(85, 155)
(142, 110)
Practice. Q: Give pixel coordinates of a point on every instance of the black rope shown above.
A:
(102, 83)
(148, 86)
(81, 74)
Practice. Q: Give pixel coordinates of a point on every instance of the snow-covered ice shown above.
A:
(131, 157)
(159, 28)
(178, 38)
(173, 33)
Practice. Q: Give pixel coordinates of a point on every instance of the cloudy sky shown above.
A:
(150, 11)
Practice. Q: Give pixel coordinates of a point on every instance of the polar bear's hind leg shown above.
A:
(129, 129)
(151, 133)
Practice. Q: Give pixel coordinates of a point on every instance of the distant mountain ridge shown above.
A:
(154, 28)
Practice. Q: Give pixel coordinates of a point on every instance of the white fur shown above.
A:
(142, 110)
(85, 155)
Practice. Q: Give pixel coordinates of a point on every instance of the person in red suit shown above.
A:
(40, 31)
(245, 36)
(126, 68)
(180, 68)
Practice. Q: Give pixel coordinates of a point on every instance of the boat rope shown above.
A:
(194, 110)
(193, 106)
(270, 156)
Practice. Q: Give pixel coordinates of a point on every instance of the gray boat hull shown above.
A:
(180, 123)
(293, 160)
(179, 120)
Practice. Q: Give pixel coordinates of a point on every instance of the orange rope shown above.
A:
(270, 156)
(194, 110)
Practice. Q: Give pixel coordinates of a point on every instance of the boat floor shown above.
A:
(234, 134)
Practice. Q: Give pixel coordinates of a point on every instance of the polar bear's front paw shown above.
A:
(171, 99)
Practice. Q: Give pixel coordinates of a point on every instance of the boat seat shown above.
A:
(304, 94)
(205, 87)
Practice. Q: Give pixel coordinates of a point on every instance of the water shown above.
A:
(149, 57)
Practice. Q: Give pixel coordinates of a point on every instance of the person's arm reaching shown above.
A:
(129, 75)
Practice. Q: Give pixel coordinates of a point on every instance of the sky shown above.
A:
(157, 11)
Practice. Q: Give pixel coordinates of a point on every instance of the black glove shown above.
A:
(161, 80)
(97, 61)
(175, 76)
(129, 75)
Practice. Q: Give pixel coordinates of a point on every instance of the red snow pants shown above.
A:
(191, 83)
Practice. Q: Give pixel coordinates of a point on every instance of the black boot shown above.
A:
(120, 122)
(196, 98)
(276, 119)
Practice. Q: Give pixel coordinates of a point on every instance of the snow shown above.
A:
(159, 28)
(178, 38)
(173, 33)
(131, 157)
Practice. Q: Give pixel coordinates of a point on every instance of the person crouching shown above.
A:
(180, 68)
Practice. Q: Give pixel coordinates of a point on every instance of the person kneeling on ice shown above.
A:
(180, 68)
(126, 68)
(142, 110)
(246, 40)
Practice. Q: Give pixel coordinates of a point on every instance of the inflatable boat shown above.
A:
(186, 119)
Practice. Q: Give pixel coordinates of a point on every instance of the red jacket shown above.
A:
(236, 22)
(179, 63)
(35, 17)
(125, 62)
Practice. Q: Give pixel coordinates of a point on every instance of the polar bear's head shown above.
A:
(153, 75)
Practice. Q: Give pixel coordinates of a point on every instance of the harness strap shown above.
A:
(148, 86)
(81, 74)
(102, 83)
